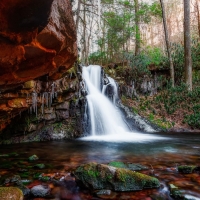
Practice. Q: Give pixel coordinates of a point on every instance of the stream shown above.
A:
(162, 156)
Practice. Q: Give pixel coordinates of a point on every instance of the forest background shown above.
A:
(152, 49)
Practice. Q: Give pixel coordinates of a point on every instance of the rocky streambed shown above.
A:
(164, 169)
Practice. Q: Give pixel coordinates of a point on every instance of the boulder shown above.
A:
(40, 190)
(99, 176)
(10, 193)
(187, 169)
(33, 158)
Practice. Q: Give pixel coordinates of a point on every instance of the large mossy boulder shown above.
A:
(10, 193)
(99, 176)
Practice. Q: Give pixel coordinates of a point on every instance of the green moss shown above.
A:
(13, 154)
(37, 175)
(33, 158)
(40, 166)
(117, 164)
(25, 174)
(44, 178)
(100, 176)
(186, 169)
(6, 165)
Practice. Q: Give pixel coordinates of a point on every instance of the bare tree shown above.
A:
(137, 25)
(187, 45)
(167, 42)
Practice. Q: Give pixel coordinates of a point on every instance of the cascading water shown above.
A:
(106, 120)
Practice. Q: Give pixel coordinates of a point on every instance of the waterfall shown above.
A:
(105, 118)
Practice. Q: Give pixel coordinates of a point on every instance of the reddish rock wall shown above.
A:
(37, 37)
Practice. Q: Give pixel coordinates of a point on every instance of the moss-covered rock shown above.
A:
(33, 158)
(40, 166)
(100, 176)
(131, 166)
(187, 169)
(11, 193)
(175, 192)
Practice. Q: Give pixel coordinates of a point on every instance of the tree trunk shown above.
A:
(187, 45)
(198, 16)
(167, 43)
(78, 12)
(137, 31)
(84, 35)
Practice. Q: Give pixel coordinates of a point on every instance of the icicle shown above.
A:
(34, 103)
(46, 99)
(42, 106)
(53, 89)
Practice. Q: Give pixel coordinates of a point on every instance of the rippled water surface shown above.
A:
(161, 153)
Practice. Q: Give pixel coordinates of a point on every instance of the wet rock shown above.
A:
(62, 114)
(63, 106)
(23, 188)
(4, 155)
(15, 178)
(32, 127)
(106, 194)
(48, 110)
(33, 158)
(11, 193)
(175, 192)
(18, 103)
(29, 84)
(40, 190)
(130, 166)
(187, 169)
(100, 176)
(40, 166)
(49, 116)
(13, 154)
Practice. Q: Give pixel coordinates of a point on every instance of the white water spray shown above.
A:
(106, 120)
(105, 117)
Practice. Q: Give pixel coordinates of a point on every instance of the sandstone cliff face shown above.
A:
(37, 37)
(37, 47)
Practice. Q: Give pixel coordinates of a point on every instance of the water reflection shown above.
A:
(162, 154)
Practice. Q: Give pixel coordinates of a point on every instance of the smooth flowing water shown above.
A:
(161, 156)
(106, 120)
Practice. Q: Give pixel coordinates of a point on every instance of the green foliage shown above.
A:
(97, 57)
(193, 120)
(178, 58)
(140, 64)
(179, 98)
(119, 26)
(177, 51)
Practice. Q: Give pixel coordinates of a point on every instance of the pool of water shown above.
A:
(162, 153)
